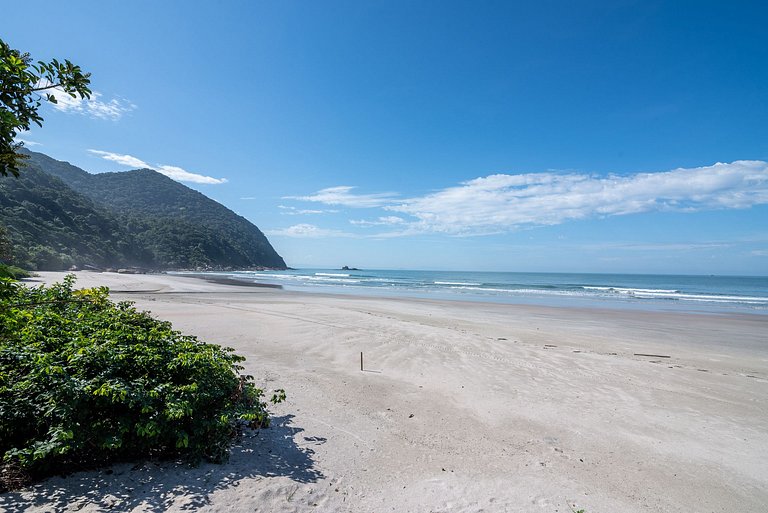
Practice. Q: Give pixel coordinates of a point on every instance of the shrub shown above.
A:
(13, 272)
(87, 382)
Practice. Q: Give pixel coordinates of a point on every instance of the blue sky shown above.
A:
(621, 136)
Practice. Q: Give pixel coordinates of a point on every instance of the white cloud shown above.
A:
(665, 247)
(173, 172)
(123, 160)
(27, 142)
(182, 175)
(21, 137)
(307, 231)
(381, 221)
(505, 202)
(94, 107)
(293, 211)
(341, 195)
(760, 252)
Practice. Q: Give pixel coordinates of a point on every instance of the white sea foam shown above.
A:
(678, 295)
(519, 292)
(456, 283)
(625, 290)
(336, 275)
(708, 297)
(281, 276)
(481, 289)
(331, 279)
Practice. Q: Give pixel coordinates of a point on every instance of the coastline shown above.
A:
(466, 406)
(678, 293)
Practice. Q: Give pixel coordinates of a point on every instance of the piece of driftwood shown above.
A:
(653, 355)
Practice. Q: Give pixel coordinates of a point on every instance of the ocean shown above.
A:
(744, 294)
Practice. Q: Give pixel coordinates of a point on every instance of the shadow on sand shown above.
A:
(155, 486)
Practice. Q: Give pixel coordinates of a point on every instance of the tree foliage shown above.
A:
(12, 272)
(85, 381)
(53, 227)
(58, 215)
(23, 87)
(5, 245)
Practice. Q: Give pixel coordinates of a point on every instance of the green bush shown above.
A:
(87, 382)
(13, 272)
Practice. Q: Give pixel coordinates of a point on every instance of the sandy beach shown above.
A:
(461, 407)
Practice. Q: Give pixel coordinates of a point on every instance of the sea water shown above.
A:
(745, 294)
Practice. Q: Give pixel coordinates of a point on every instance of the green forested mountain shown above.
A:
(58, 215)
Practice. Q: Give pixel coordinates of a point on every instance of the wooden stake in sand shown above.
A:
(361, 360)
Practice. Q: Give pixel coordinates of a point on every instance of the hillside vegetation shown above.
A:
(58, 215)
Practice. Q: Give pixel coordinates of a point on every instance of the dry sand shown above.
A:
(462, 407)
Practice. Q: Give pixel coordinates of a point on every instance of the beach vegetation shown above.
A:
(6, 270)
(85, 382)
(12, 272)
(24, 85)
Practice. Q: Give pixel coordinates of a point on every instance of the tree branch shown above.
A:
(52, 86)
